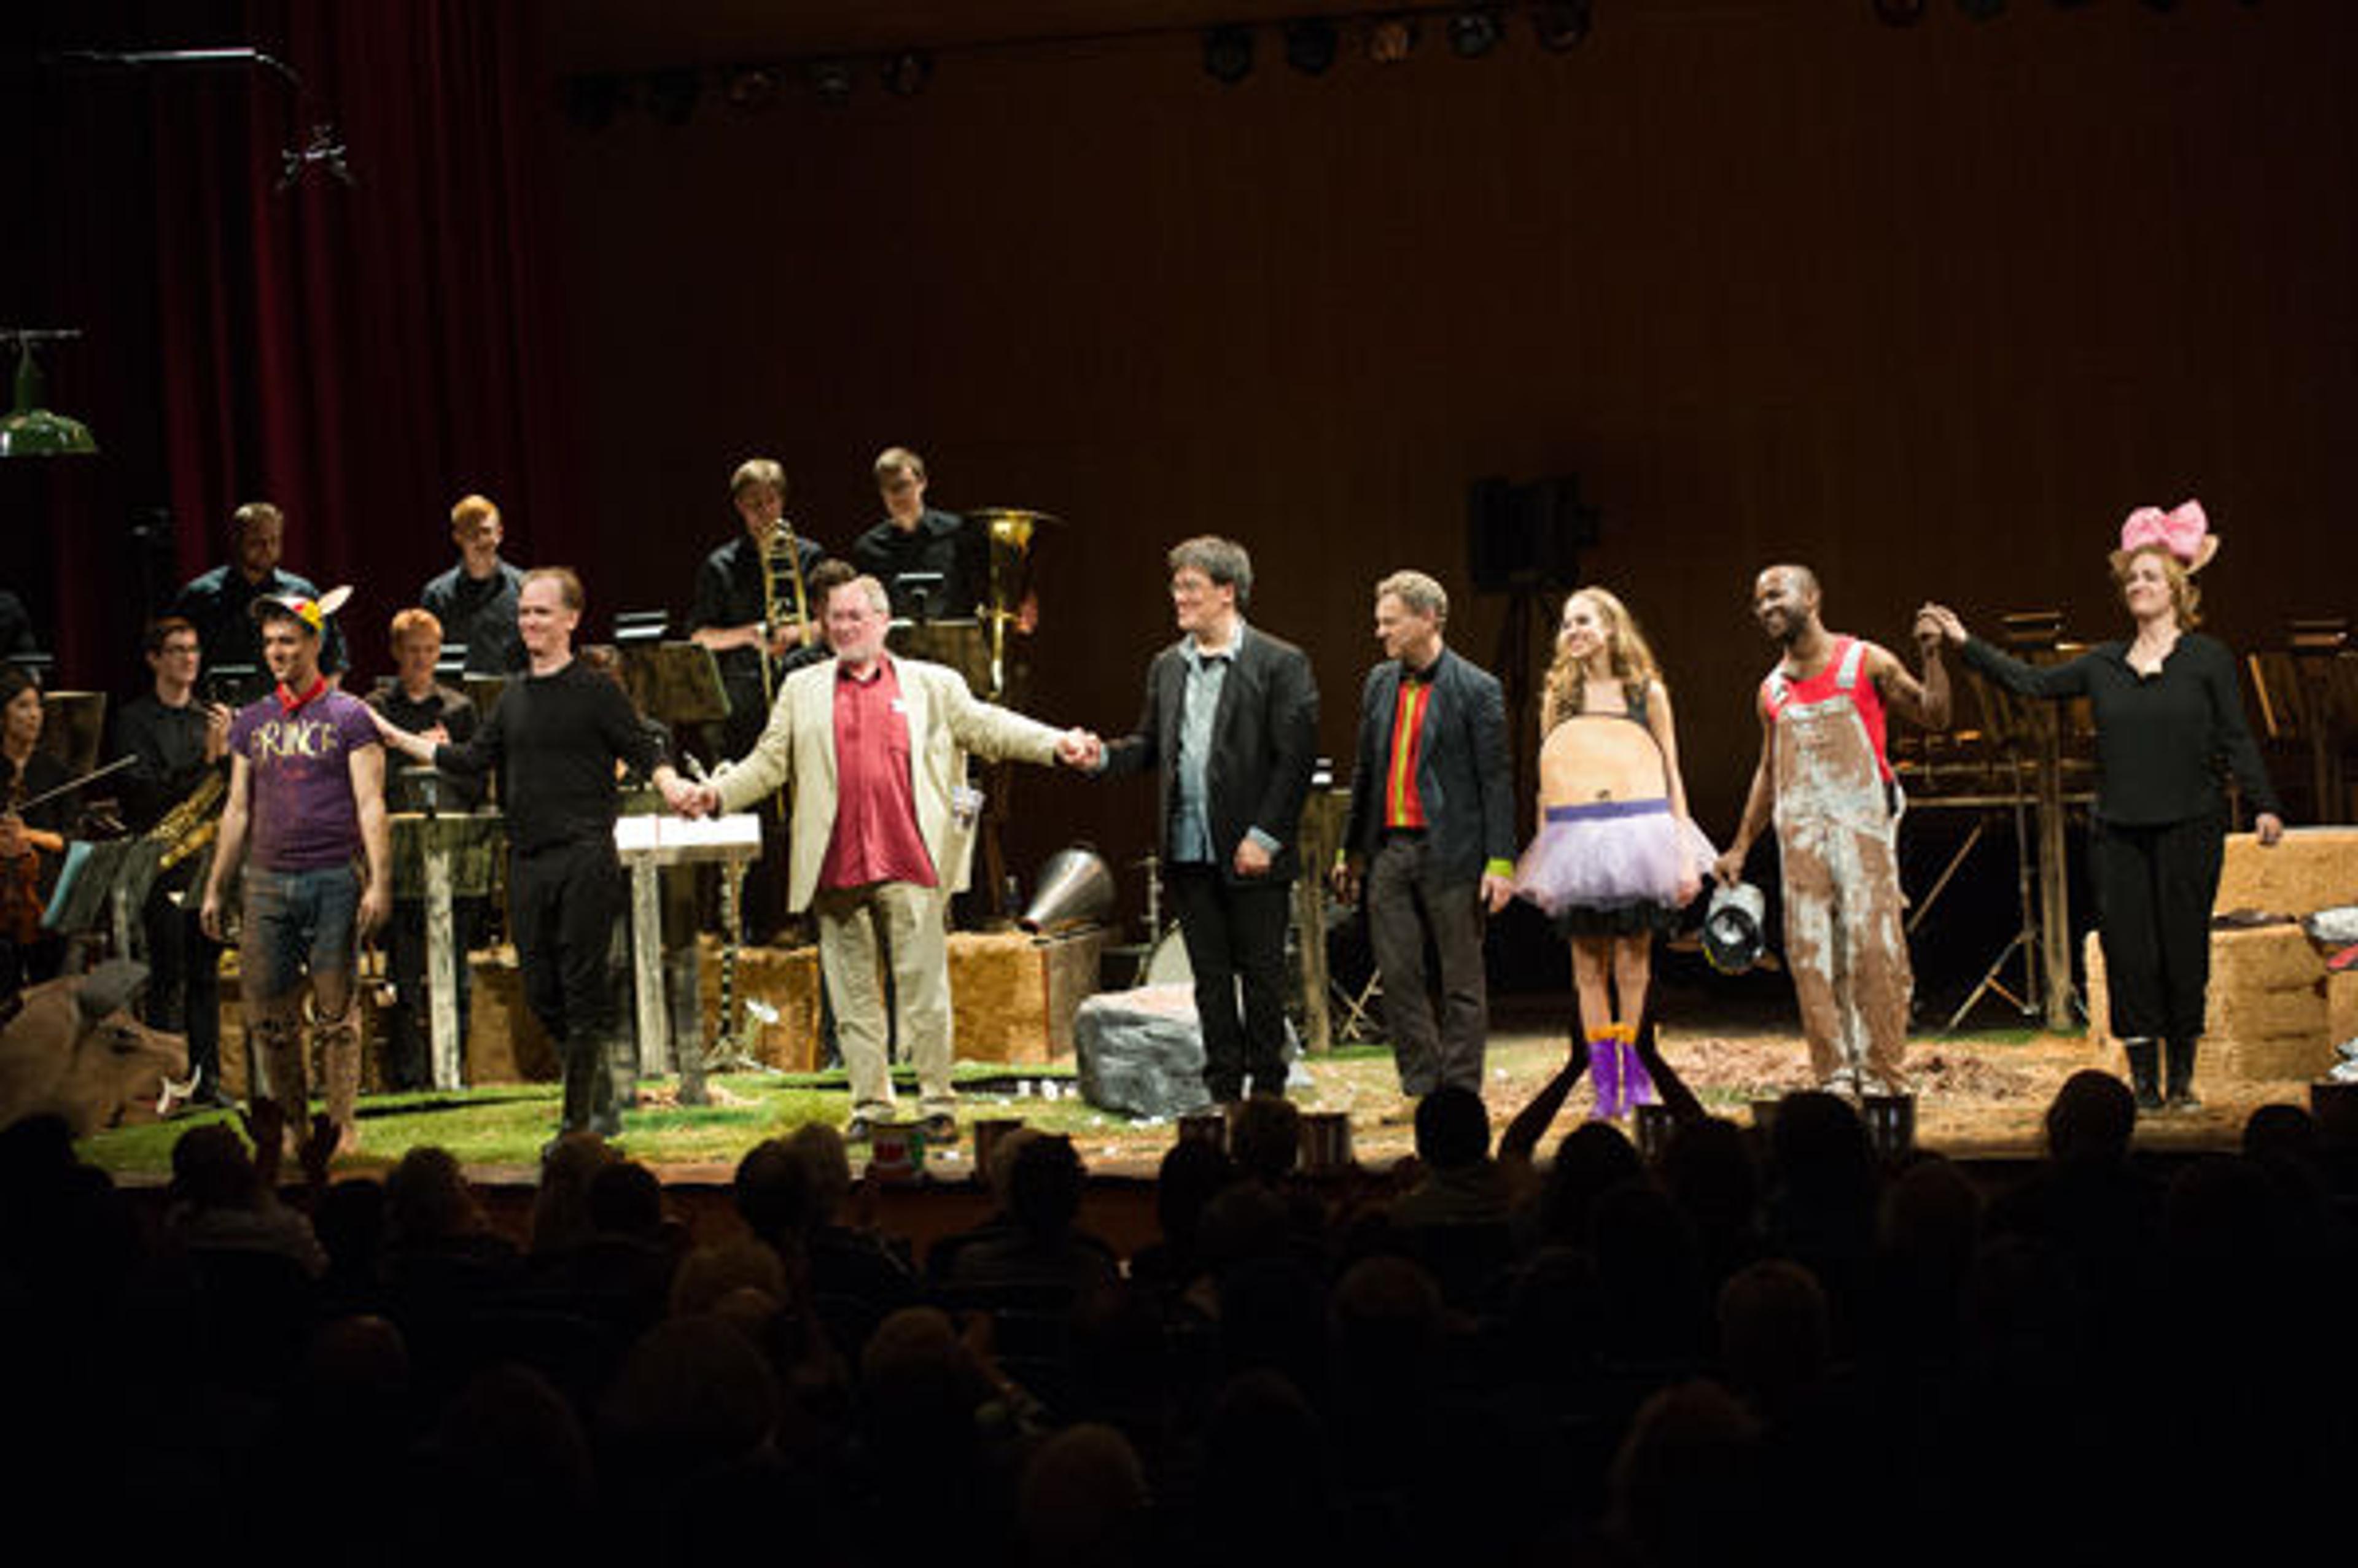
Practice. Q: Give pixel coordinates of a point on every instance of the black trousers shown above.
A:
(1236, 933)
(2154, 886)
(563, 905)
(1436, 1039)
(184, 981)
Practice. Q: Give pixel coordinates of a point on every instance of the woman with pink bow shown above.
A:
(2168, 715)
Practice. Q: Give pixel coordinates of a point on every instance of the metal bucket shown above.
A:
(1325, 1140)
(1890, 1123)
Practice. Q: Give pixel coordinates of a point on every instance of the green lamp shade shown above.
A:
(30, 431)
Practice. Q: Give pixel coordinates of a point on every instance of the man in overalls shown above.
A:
(1824, 776)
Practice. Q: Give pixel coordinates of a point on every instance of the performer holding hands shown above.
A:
(2167, 713)
(874, 748)
(1826, 779)
(1617, 855)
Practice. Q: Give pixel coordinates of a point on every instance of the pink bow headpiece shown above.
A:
(2183, 531)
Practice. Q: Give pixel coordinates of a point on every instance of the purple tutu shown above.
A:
(1611, 855)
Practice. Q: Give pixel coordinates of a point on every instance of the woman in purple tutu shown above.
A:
(1617, 857)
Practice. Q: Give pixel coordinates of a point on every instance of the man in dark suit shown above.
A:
(1431, 833)
(1231, 729)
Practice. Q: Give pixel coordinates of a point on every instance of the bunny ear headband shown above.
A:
(2183, 531)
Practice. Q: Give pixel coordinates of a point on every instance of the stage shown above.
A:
(1980, 1099)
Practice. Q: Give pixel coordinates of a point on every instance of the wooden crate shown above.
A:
(1012, 997)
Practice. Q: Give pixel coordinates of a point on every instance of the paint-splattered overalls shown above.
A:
(1837, 824)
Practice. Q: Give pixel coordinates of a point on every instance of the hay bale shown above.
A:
(998, 997)
(2313, 869)
(784, 979)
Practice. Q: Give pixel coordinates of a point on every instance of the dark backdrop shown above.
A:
(1930, 308)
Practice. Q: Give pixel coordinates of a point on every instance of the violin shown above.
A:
(21, 848)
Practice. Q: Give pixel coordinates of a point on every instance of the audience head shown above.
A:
(2090, 1120)
(1776, 1334)
(1193, 1173)
(561, 1209)
(1043, 1186)
(1265, 1138)
(1452, 1131)
(427, 1199)
(1083, 1499)
(774, 1193)
(211, 1170)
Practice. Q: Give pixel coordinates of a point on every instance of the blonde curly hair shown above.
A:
(1628, 658)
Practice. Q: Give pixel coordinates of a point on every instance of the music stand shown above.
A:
(674, 683)
(483, 691)
(102, 884)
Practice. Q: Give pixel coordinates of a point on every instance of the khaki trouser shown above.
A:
(860, 929)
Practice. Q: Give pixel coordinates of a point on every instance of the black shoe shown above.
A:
(858, 1130)
(2177, 1076)
(941, 1129)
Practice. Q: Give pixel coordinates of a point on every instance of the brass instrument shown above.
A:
(191, 827)
(782, 566)
(1009, 530)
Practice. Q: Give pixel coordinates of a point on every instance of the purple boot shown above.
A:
(1604, 1072)
(1637, 1083)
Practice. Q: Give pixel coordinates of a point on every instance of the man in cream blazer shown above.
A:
(881, 830)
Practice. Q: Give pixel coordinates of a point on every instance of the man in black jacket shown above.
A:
(1230, 726)
(1432, 832)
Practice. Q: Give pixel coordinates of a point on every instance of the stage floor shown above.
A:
(1980, 1098)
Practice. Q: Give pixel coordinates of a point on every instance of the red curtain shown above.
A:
(361, 356)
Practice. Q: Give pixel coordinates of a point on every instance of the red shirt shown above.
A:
(1402, 805)
(1863, 696)
(876, 838)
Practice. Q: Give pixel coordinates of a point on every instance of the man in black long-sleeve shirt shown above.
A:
(419, 703)
(174, 740)
(558, 732)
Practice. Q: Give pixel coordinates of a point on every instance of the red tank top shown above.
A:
(1845, 674)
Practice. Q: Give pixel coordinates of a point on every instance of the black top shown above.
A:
(729, 593)
(558, 736)
(1264, 748)
(453, 711)
(2160, 738)
(941, 543)
(41, 773)
(220, 604)
(482, 614)
(167, 750)
(1463, 779)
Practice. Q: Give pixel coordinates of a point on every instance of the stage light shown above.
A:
(831, 82)
(1229, 54)
(670, 95)
(1980, 10)
(906, 74)
(1561, 24)
(1391, 39)
(1473, 34)
(1310, 45)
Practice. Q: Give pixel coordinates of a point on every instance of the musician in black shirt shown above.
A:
(415, 701)
(555, 737)
(476, 600)
(174, 742)
(916, 539)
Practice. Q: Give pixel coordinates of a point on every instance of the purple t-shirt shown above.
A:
(302, 815)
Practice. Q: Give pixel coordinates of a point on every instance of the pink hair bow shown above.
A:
(2183, 531)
